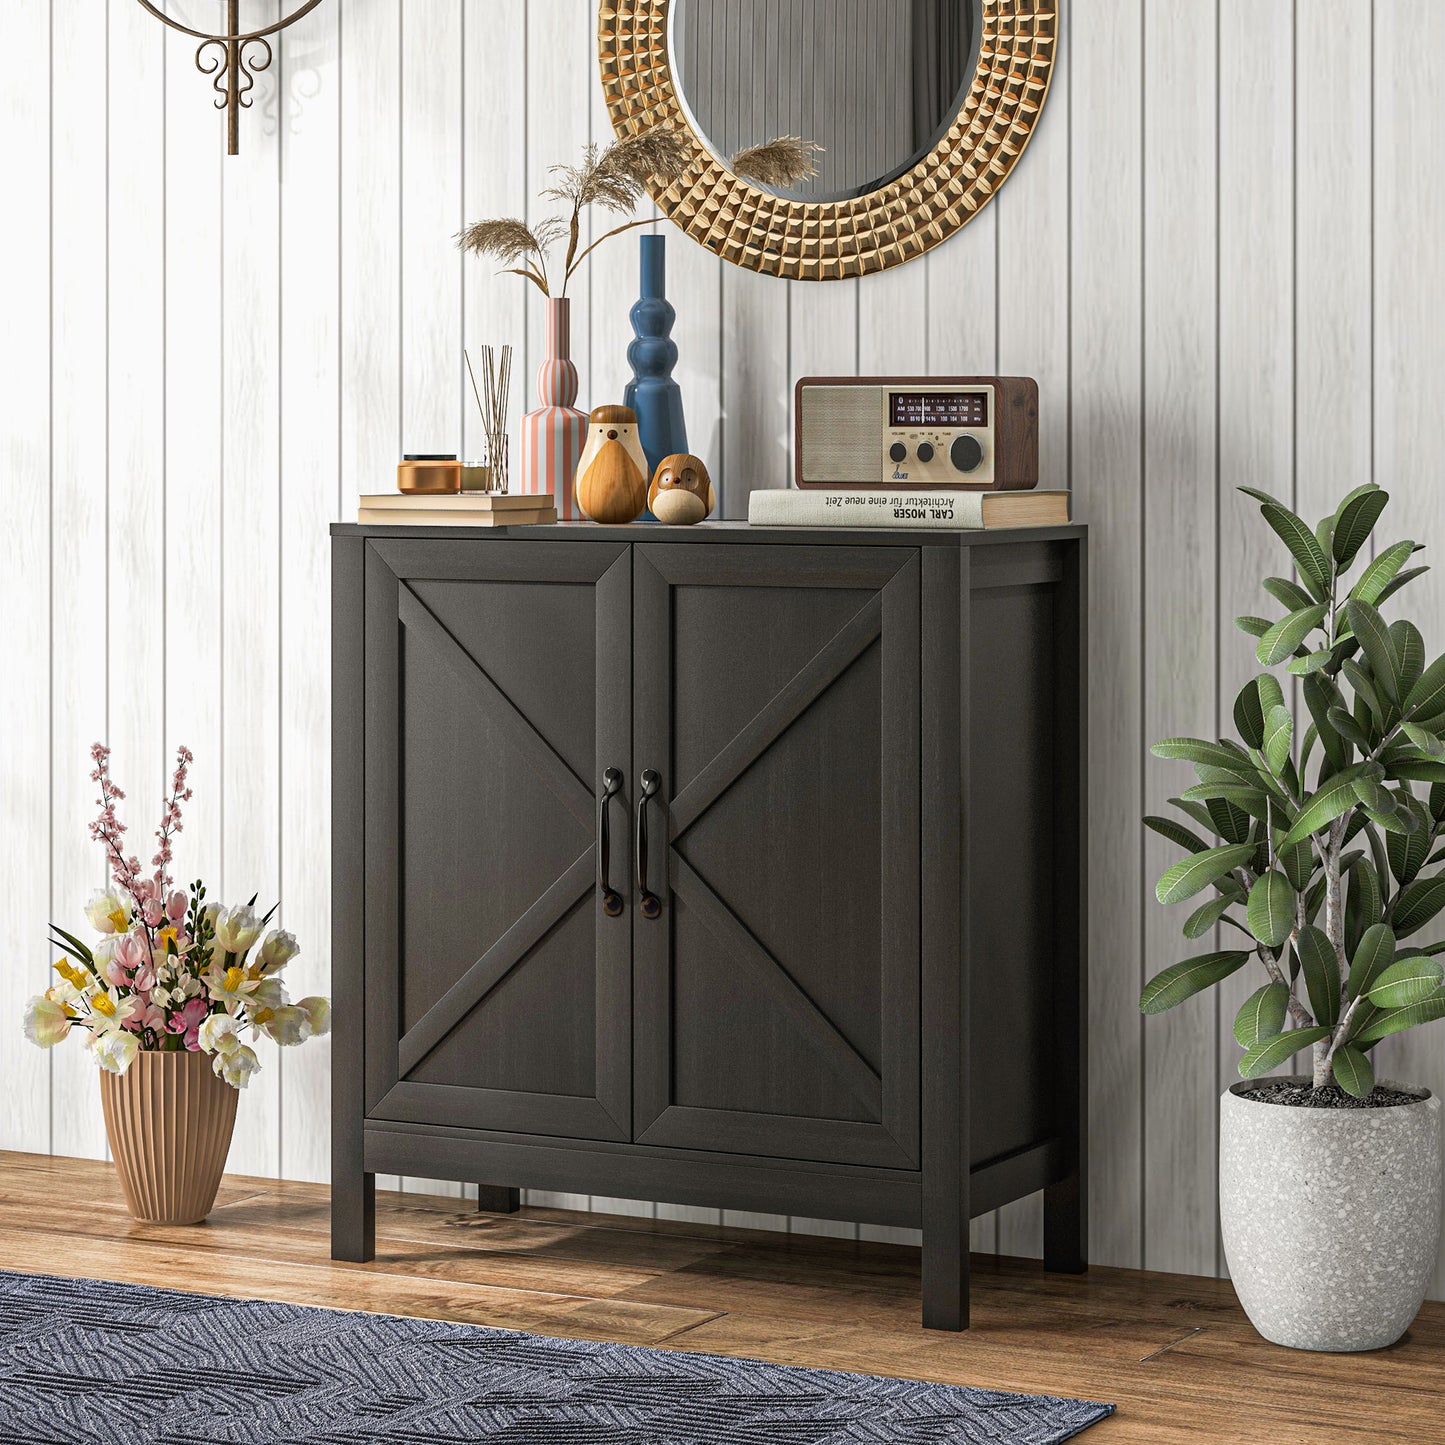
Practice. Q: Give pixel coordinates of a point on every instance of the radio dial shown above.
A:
(898, 452)
(925, 451)
(965, 453)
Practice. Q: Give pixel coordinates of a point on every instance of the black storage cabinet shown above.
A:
(717, 865)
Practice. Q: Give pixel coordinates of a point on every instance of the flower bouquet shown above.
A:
(166, 998)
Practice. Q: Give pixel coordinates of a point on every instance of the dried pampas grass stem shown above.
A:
(783, 161)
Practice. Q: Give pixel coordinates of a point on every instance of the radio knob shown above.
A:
(925, 451)
(898, 451)
(965, 453)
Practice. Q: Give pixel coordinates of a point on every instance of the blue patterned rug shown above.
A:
(88, 1363)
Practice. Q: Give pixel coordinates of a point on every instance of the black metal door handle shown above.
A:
(611, 898)
(647, 900)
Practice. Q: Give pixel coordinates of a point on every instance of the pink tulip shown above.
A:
(133, 952)
(188, 1020)
(176, 906)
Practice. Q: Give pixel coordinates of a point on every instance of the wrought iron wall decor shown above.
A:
(233, 59)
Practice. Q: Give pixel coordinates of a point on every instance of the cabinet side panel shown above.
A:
(1012, 805)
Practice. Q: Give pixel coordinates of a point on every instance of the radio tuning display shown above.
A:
(938, 409)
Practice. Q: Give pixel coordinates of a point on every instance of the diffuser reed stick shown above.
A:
(491, 397)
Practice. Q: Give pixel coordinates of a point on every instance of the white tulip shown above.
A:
(217, 1034)
(237, 1066)
(107, 912)
(268, 993)
(279, 948)
(288, 1026)
(114, 1051)
(46, 1022)
(237, 928)
(319, 1011)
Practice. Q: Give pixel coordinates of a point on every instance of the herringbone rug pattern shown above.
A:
(87, 1363)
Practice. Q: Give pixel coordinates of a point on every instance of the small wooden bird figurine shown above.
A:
(612, 474)
(681, 491)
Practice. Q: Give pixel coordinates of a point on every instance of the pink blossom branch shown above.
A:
(171, 818)
(108, 829)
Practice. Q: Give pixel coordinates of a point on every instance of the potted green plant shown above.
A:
(1318, 851)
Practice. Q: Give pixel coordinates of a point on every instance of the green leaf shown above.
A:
(1310, 662)
(1345, 724)
(1334, 797)
(1278, 735)
(1423, 739)
(1270, 1054)
(1270, 914)
(1378, 574)
(1190, 841)
(1290, 595)
(1367, 624)
(1255, 626)
(1405, 577)
(1206, 754)
(1254, 700)
(1207, 915)
(1195, 873)
(1406, 850)
(1320, 695)
(1283, 639)
(1375, 953)
(1182, 980)
(1394, 1021)
(1261, 1016)
(1354, 1073)
(1410, 649)
(1359, 679)
(1200, 814)
(1363, 904)
(1252, 801)
(1321, 969)
(1304, 548)
(1427, 697)
(76, 944)
(1407, 981)
(1416, 905)
(1231, 823)
(1354, 522)
(1412, 770)
(1264, 498)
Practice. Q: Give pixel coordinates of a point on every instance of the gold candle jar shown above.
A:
(429, 474)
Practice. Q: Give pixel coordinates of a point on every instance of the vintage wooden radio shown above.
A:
(978, 432)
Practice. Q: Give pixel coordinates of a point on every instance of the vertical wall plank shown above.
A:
(77, 519)
(1033, 340)
(1106, 429)
(250, 542)
(494, 183)
(25, 579)
(370, 249)
(1409, 92)
(310, 482)
(1256, 370)
(370, 258)
(1180, 585)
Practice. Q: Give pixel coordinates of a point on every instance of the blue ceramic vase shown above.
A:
(652, 393)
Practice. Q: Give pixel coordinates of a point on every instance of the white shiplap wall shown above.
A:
(1219, 256)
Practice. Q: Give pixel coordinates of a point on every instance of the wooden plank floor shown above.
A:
(1174, 1353)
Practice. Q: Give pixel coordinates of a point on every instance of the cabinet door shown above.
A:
(497, 696)
(776, 978)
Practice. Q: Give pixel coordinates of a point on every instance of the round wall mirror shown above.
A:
(914, 113)
(874, 84)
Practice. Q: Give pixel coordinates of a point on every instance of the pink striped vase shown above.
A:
(552, 436)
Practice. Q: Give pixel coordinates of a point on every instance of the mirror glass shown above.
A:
(874, 83)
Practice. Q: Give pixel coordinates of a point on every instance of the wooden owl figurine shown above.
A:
(612, 474)
(681, 491)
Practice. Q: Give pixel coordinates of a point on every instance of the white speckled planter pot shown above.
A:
(1331, 1217)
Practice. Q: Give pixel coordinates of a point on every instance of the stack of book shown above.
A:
(458, 509)
(941, 508)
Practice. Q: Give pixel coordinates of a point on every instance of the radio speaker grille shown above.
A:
(840, 437)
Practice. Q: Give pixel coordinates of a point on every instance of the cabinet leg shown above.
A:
(496, 1199)
(353, 1218)
(945, 1280)
(1066, 1226)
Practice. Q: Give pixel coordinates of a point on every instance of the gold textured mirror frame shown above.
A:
(831, 240)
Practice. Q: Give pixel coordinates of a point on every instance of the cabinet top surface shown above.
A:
(725, 531)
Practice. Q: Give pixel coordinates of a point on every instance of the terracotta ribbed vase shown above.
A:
(169, 1119)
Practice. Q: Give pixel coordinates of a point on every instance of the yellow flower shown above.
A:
(103, 1003)
(70, 973)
